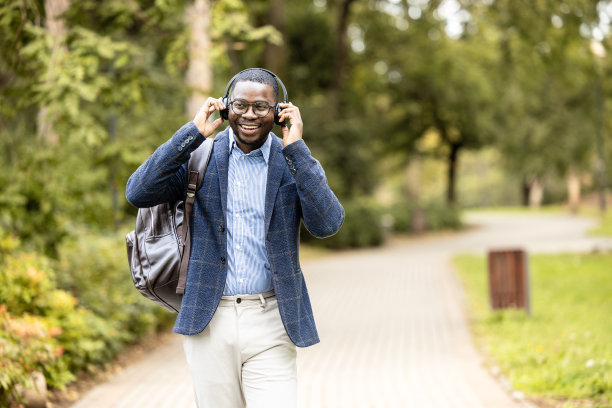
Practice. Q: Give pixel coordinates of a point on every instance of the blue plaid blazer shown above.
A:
(296, 190)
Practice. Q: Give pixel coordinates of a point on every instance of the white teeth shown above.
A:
(250, 127)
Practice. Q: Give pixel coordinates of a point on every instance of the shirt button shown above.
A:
(238, 247)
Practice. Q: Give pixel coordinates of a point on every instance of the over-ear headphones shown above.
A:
(277, 109)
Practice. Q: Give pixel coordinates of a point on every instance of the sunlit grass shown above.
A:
(605, 225)
(564, 350)
(548, 209)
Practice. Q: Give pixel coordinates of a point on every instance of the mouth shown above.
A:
(249, 127)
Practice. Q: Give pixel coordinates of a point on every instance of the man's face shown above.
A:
(250, 130)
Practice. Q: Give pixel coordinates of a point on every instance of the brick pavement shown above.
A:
(392, 325)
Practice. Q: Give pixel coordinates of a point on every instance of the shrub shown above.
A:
(46, 329)
(364, 222)
(361, 228)
(94, 267)
(28, 344)
(437, 216)
(33, 324)
(442, 216)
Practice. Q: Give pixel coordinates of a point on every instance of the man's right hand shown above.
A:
(201, 121)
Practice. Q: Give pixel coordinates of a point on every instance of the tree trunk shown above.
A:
(525, 191)
(413, 179)
(199, 73)
(56, 29)
(341, 51)
(453, 161)
(573, 190)
(536, 193)
(275, 56)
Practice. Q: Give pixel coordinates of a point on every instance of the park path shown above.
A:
(392, 324)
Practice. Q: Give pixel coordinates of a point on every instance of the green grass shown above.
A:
(547, 209)
(605, 226)
(564, 350)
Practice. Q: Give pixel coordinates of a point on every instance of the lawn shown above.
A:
(605, 225)
(563, 352)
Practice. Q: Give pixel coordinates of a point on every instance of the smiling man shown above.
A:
(246, 305)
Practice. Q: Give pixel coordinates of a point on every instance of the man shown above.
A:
(245, 306)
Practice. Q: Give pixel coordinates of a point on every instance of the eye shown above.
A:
(262, 106)
(239, 105)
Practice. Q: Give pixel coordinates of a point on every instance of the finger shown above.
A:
(215, 124)
(286, 115)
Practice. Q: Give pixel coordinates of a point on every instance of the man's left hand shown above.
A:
(292, 123)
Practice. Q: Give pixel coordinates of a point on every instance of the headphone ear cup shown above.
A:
(225, 112)
(277, 112)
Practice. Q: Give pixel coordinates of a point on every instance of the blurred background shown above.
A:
(417, 109)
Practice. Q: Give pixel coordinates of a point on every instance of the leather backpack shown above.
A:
(158, 249)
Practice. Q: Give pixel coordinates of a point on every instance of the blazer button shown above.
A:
(222, 260)
(221, 228)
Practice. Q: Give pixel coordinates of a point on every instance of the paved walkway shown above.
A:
(392, 325)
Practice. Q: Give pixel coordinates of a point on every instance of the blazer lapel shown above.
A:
(275, 174)
(222, 158)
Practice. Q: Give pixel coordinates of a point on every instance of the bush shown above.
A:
(28, 344)
(34, 324)
(45, 328)
(443, 216)
(437, 216)
(94, 267)
(361, 228)
(366, 222)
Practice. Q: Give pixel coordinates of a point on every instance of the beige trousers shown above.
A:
(244, 357)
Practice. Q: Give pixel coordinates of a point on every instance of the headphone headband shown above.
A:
(278, 80)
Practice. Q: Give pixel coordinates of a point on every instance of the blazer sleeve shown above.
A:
(322, 213)
(163, 177)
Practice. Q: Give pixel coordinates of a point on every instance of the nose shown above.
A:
(250, 112)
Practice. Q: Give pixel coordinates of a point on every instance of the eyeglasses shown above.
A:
(240, 107)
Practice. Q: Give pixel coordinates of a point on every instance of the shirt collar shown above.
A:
(264, 149)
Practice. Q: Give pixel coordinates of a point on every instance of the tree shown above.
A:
(435, 84)
(547, 74)
(199, 74)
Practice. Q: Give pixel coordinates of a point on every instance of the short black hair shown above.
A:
(259, 76)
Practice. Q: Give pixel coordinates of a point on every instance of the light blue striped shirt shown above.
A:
(248, 267)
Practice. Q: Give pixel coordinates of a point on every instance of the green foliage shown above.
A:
(31, 323)
(47, 329)
(605, 226)
(564, 349)
(367, 223)
(94, 268)
(434, 216)
(28, 344)
(361, 228)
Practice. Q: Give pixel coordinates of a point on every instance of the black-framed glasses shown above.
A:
(260, 108)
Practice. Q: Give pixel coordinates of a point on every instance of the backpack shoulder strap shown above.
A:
(199, 161)
(196, 168)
